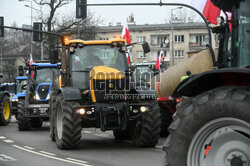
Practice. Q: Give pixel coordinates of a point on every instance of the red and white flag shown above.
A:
(128, 56)
(31, 60)
(30, 63)
(125, 33)
(158, 62)
(207, 8)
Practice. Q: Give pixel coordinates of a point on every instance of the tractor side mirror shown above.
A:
(54, 56)
(145, 47)
(24, 87)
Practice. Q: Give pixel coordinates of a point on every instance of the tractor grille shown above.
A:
(109, 90)
(43, 91)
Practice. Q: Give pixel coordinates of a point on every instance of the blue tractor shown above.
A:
(19, 92)
(33, 108)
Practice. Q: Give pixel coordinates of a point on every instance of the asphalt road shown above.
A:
(34, 148)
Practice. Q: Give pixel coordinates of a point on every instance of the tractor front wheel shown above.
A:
(67, 124)
(24, 123)
(145, 131)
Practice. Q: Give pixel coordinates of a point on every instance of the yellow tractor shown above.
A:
(95, 90)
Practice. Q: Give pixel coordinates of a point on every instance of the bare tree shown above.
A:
(61, 23)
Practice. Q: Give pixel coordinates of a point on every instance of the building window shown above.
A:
(200, 39)
(140, 55)
(161, 40)
(141, 39)
(179, 38)
(179, 53)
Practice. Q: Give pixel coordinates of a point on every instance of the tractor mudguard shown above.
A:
(3, 94)
(71, 93)
(205, 81)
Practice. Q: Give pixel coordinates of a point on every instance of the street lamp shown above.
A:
(173, 33)
(31, 22)
(42, 40)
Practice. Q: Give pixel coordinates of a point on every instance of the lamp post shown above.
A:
(31, 22)
(173, 33)
(42, 40)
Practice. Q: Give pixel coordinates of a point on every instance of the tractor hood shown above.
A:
(105, 73)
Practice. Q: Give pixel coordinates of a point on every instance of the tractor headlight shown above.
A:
(14, 100)
(143, 108)
(36, 97)
(81, 111)
(48, 97)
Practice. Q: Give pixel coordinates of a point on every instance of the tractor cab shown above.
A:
(20, 82)
(40, 81)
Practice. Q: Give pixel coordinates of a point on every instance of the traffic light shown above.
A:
(20, 70)
(38, 36)
(81, 9)
(1, 27)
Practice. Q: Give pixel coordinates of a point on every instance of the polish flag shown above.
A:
(125, 33)
(158, 62)
(208, 10)
(128, 56)
(31, 61)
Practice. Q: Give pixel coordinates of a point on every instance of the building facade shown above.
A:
(186, 37)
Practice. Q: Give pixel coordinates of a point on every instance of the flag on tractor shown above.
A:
(125, 33)
(159, 60)
(30, 63)
(207, 8)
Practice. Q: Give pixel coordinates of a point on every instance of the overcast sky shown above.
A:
(15, 11)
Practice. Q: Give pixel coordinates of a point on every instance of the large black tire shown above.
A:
(36, 122)
(121, 135)
(5, 111)
(145, 131)
(202, 120)
(24, 123)
(166, 119)
(52, 106)
(67, 124)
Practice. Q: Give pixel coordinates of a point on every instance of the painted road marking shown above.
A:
(3, 157)
(102, 135)
(28, 147)
(8, 141)
(159, 146)
(52, 157)
(47, 153)
(77, 160)
(2, 137)
(87, 132)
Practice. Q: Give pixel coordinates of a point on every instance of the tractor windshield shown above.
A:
(143, 74)
(83, 59)
(242, 35)
(20, 83)
(45, 75)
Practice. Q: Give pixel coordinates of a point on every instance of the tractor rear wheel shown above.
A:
(212, 128)
(145, 131)
(36, 122)
(5, 111)
(67, 124)
(166, 119)
(24, 123)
